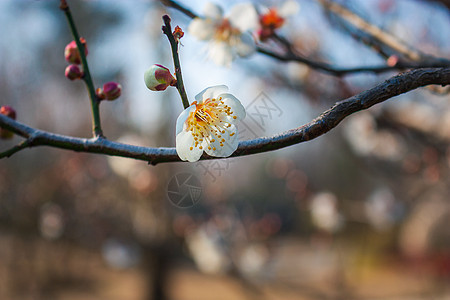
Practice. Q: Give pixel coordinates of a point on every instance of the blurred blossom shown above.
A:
(431, 158)
(51, 221)
(424, 117)
(271, 19)
(218, 191)
(297, 73)
(382, 210)
(448, 156)
(411, 164)
(279, 167)
(120, 255)
(324, 212)
(183, 224)
(227, 35)
(367, 140)
(139, 175)
(296, 181)
(207, 249)
(143, 180)
(444, 129)
(252, 259)
(266, 227)
(121, 166)
(386, 6)
(421, 227)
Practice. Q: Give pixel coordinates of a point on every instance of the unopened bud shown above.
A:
(111, 91)
(100, 94)
(11, 113)
(73, 72)
(392, 60)
(158, 78)
(72, 54)
(63, 5)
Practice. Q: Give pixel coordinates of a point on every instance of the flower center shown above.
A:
(210, 120)
(272, 19)
(225, 32)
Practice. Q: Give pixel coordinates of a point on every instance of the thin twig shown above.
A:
(22, 145)
(328, 120)
(95, 102)
(167, 30)
(179, 7)
(327, 68)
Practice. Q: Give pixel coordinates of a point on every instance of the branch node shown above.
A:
(63, 5)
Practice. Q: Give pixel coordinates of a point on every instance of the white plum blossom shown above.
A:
(208, 124)
(228, 35)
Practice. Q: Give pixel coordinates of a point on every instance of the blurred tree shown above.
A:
(97, 226)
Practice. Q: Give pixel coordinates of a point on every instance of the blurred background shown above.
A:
(359, 213)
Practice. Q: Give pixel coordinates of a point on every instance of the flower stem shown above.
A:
(167, 30)
(95, 102)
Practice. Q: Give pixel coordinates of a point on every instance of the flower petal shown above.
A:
(202, 29)
(213, 11)
(244, 16)
(211, 92)
(288, 8)
(221, 53)
(184, 142)
(183, 117)
(246, 45)
(229, 145)
(236, 105)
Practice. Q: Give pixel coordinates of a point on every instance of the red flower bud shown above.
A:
(11, 113)
(73, 72)
(392, 60)
(72, 54)
(112, 90)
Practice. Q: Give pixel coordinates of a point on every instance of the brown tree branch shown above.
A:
(377, 33)
(446, 3)
(329, 119)
(383, 37)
